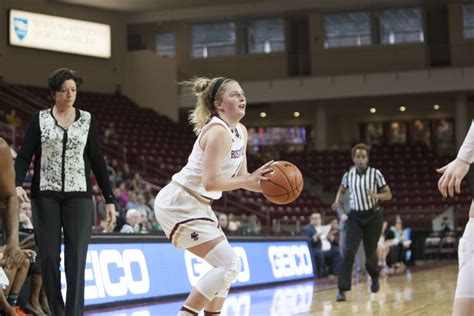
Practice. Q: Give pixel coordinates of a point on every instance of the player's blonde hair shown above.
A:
(206, 91)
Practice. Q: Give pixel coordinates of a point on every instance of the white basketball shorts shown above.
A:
(186, 218)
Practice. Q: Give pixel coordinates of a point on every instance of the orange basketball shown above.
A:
(285, 183)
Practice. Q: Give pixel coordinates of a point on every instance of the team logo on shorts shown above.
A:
(194, 236)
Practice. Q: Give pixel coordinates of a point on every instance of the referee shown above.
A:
(367, 187)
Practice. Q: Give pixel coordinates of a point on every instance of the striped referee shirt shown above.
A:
(358, 183)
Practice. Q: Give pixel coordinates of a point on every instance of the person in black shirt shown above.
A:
(367, 187)
(65, 143)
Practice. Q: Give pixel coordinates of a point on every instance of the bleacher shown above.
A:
(157, 147)
(408, 169)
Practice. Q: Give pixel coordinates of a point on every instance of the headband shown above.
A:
(216, 87)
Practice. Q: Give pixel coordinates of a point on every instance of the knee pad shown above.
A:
(222, 255)
(227, 266)
(233, 270)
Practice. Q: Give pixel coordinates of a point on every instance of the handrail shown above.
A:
(26, 96)
(44, 104)
(17, 104)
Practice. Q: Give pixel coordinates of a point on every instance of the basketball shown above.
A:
(285, 183)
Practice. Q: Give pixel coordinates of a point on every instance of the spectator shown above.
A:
(126, 174)
(232, 225)
(118, 179)
(398, 246)
(148, 193)
(446, 226)
(144, 225)
(132, 201)
(123, 196)
(314, 232)
(110, 135)
(100, 207)
(142, 205)
(250, 226)
(383, 247)
(12, 119)
(25, 216)
(223, 223)
(155, 226)
(133, 221)
(137, 183)
(330, 247)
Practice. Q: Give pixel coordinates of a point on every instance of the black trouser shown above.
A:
(75, 216)
(365, 226)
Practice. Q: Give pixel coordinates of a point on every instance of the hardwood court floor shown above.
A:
(417, 291)
(426, 292)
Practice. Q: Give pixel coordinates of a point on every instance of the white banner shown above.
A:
(58, 34)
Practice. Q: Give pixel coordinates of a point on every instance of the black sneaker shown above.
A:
(375, 286)
(341, 296)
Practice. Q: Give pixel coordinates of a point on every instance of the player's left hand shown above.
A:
(452, 175)
(110, 216)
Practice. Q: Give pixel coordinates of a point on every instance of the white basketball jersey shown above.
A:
(191, 174)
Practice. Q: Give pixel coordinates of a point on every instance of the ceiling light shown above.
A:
(296, 114)
(373, 110)
(263, 114)
(403, 108)
(436, 107)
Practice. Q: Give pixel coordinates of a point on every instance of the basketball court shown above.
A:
(427, 290)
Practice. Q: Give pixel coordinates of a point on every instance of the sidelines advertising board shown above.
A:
(41, 31)
(129, 271)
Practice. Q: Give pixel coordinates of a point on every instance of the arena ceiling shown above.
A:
(167, 10)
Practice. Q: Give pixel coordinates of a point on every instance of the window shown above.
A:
(347, 29)
(266, 36)
(401, 26)
(166, 44)
(468, 20)
(213, 40)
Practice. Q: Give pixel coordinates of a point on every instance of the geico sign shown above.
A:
(111, 271)
(290, 261)
(197, 267)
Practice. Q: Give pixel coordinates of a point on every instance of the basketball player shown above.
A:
(217, 163)
(449, 184)
(12, 255)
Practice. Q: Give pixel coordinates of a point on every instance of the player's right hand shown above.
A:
(262, 173)
(22, 196)
(335, 206)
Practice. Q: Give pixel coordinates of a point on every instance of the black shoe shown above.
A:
(375, 286)
(341, 297)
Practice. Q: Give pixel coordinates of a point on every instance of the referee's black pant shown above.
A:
(74, 216)
(365, 226)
